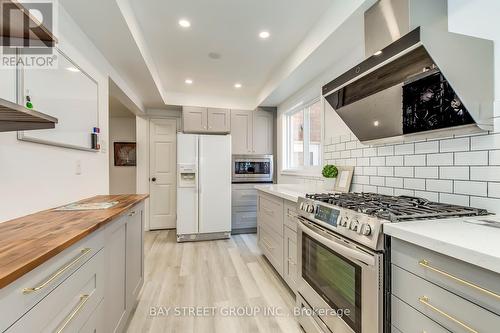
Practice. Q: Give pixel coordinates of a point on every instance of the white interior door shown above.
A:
(162, 173)
(214, 169)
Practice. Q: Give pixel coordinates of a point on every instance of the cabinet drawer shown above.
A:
(442, 306)
(95, 323)
(244, 197)
(291, 215)
(405, 319)
(271, 245)
(469, 281)
(244, 217)
(270, 212)
(68, 306)
(19, 297)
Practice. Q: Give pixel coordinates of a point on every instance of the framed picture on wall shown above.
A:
(125, 153)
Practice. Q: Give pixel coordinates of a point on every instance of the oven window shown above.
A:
(252, 168)
(335, 278)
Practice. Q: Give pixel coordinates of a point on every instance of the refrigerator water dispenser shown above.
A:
(187, 175)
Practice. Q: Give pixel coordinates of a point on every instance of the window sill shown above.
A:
(313, 173)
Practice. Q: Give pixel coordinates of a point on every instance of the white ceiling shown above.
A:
(143, 41)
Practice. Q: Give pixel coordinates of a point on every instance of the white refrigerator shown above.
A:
(203, 187)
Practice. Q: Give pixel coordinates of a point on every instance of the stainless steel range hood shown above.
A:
(419, 80)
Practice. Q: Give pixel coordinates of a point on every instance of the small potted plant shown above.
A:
(330, 173)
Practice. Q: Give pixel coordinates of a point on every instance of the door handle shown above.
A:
(153, 179)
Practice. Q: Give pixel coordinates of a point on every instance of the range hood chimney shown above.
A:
(418, 79)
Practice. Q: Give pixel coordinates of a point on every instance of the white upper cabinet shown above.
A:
(205, 120)
(262, 132)
(218, 120)
(241, 131)
(252, 132)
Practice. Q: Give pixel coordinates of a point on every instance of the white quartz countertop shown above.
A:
(290, 192)
(477, 243)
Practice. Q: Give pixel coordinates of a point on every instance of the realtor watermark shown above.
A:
(27, 36)
(242, 311)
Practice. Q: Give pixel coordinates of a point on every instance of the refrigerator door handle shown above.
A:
(199, 165)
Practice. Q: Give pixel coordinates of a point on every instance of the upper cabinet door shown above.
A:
(218, 120)
(262, 132)
(194, 119)
(241, 131)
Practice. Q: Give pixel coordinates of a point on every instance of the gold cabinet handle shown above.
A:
(54, 276)
(425, 263)
(425, 301)
(132, 213)
(76, 310)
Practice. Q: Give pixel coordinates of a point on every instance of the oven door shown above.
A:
(340, 281)
(252, 169)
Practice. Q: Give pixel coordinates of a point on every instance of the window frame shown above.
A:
(288, 141)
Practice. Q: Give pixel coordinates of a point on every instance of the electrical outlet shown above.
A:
(78, 168)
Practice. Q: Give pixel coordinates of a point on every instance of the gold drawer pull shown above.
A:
(132, 213)
(425, 300)
(69, 318)
(54, 276)
(425, 263)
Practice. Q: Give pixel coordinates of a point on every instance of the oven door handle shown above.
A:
(339, 248)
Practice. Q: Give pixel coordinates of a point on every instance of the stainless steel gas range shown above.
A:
(343, 260)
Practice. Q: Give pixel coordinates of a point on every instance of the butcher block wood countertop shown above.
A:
(29, 241)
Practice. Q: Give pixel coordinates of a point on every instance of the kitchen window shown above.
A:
(302, 137)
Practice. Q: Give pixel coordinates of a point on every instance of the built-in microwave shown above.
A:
(252, 169)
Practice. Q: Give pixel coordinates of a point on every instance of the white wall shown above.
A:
(34, 177)
(122, 179)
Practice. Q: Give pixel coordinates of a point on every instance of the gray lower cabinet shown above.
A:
(244, 208)
(96, 286)
(277, 235)
(435, 293)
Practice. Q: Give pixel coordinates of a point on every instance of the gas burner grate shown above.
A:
(395, 208)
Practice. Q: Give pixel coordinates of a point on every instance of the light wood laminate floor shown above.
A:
(215, 276)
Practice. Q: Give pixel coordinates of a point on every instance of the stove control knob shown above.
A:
(366, 229)
(344, 221)
(354, 225)
(310, 208)
(301, 206)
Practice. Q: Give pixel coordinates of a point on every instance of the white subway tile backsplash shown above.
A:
(340, 146)
(426, 172)
(490, 204)
(357, 153)
(345, 138)
(427, 147)
(414, 183)
(356, 188)
(336, 154)
(379, 181)
(400, 191)
(377, 161)
(385, 151)
(385, 171)
(489, 173)
(403, 172)
(363, 161)
(439, 185)
(361, 180)
(471, 188)
(440, 159)
(345, 154)
(368, 152)
(370, 171)
(461, 173)
(485, 142)
(350, 145)
(358, 171)
(432, 196)
(472, 158)
(350, 162)
(405, 149)
(454, 199)
(461, 144)
(335, 139)
(394, 160)
(494, 158)
(385, 190)
(414, 160)
(394, 182)
(370, 188)
(494, 190)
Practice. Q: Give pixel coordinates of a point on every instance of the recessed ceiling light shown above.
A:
(72, 69)
(379, 52)
(238, 85)
(188, 81)
(376, 123)
(264, 34)
(184, 23)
